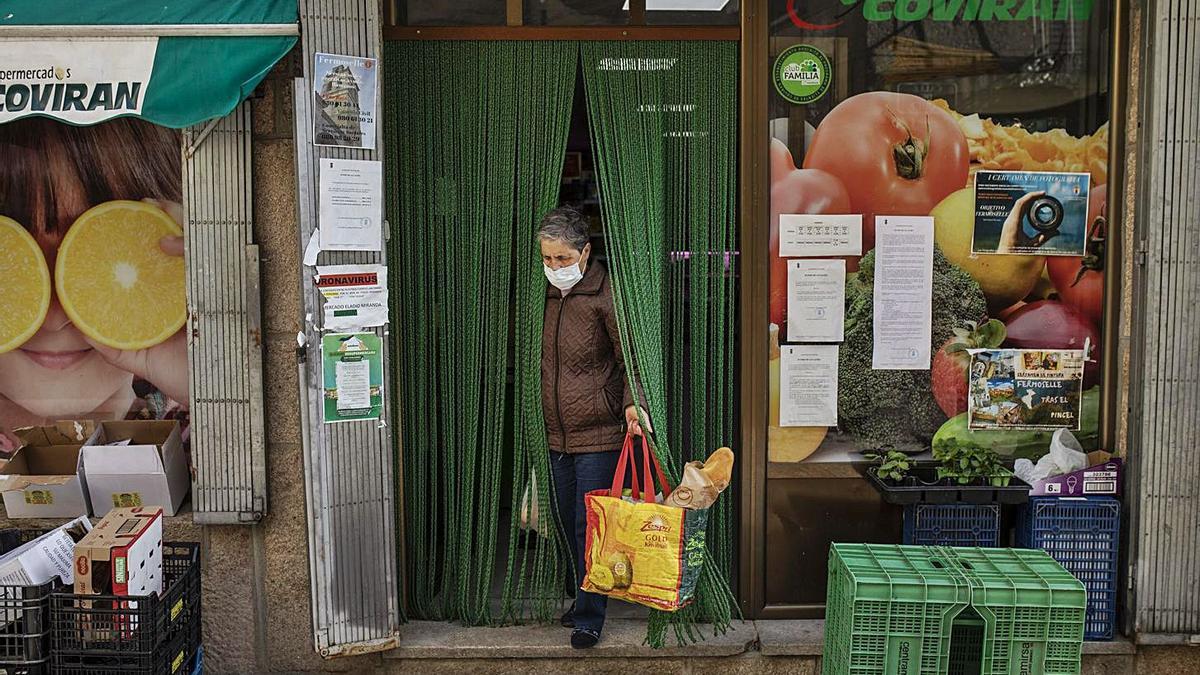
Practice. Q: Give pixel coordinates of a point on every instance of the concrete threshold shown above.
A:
(624, 638)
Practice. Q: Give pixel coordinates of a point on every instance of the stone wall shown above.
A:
(257, 611)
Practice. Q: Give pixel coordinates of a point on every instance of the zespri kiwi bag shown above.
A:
(642, 551)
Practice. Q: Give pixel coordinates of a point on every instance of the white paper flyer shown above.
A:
(903, 292)
(808, 385)
(802, 235)
(816, 300)
(351, 205)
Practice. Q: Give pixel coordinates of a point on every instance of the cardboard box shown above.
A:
(69, 432)
(42, 478)
(1099, 479)
(152, 470)
(43, 482)
(122, 555)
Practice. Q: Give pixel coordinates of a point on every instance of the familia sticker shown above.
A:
(802, 74)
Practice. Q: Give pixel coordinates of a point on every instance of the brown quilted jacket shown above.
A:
(584, 390)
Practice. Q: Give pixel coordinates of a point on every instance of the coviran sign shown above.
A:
(956, 10)
(76, 81)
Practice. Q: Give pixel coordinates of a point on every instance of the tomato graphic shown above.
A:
(897, 154)
(793, 190)
(1080, 280)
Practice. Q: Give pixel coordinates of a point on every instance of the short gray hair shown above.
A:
(567, 225)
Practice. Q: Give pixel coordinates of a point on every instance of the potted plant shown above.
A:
(892, 465)
(960, 473)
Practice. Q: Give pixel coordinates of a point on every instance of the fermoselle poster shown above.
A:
(1025, 389)
(353, 377)
(344, 90)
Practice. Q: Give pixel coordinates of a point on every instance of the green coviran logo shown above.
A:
(802, 74)
(954, 10)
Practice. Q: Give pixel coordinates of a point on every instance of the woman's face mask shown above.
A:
(563, 278)
(564, 266)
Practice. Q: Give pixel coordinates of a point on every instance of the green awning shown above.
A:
(172, 62)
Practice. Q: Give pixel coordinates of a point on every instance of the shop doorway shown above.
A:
(486, 137)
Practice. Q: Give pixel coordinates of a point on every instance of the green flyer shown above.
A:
(353, 377)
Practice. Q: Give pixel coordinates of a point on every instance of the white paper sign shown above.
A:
(351, 195)
(808, 385)
(356, 296)
(353, 384)
(816, 300)
(803, 235)
(81, 81)
(903, 292)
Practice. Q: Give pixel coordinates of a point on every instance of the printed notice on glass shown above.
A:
(903, 292)
(352, 375)
(816, 300)
(808, 385)
(356, 296)
(351, 205)
(805, 236)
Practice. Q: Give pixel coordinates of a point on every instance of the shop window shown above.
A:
(453, 13)
(1007, 91)
(576, 12)
(692, 12)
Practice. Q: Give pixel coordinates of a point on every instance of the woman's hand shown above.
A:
(1012, 235)
(631, 419)
(164, 365)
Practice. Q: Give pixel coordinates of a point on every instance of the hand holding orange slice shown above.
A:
(114, 281)
(24, 285)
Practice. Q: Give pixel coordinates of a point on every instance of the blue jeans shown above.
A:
(575, 476)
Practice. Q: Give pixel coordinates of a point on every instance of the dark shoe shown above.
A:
(568, 617)
(582, 638)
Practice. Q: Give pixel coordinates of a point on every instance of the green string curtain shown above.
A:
(663, 118)
(478, 135)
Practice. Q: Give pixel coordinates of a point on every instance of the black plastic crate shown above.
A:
(178, 657)
(952, 525)
(24, 615)
(109, 633)
(922, 486)
(25, 628)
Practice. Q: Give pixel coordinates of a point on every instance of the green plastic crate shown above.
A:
(890, 609)
(1033, 612)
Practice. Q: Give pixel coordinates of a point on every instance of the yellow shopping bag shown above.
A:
(642, 551)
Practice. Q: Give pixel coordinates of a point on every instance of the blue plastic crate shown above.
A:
(952, 525)
(1083, 534)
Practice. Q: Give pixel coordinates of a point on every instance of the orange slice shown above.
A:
(115, 283)
(24, 285)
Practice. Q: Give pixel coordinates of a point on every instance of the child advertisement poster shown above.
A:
(1031, 212)
(1025, 389)
(353, 377)
(92, 274)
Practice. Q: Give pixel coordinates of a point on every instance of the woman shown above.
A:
(50, 174)
(585, 395)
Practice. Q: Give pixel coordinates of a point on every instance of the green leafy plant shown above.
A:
(966, 463)
(893, 464)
